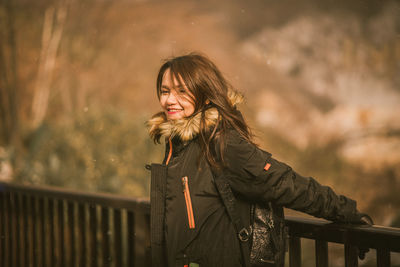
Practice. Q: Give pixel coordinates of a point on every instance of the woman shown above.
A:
(206, 136)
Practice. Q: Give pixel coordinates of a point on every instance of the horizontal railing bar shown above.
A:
(103, 199)
(377, 237)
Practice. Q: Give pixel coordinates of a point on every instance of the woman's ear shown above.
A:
(207, 101)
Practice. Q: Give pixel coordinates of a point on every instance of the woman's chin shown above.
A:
(175, 116)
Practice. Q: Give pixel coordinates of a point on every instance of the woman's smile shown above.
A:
(173, 110)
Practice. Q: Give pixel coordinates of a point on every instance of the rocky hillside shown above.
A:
(344, 78)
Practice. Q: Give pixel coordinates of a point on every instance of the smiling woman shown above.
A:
(211, 168)
(175, 99)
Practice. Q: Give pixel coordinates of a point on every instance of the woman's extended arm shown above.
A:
(254, 174)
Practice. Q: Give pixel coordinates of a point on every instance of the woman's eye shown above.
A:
(164, 92)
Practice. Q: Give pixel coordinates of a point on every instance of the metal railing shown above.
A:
(383, 239)
(43, 226)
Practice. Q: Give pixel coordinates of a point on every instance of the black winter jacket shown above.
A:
(189, 220)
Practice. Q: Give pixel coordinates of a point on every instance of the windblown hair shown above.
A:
(209, 89)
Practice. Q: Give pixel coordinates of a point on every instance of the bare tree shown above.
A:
(8, 76)
(53, 26)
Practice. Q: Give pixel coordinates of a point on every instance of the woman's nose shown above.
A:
(171, 98)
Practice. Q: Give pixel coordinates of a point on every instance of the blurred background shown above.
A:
(321, 80)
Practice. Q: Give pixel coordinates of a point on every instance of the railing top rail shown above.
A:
(377, 237)
(104, 199)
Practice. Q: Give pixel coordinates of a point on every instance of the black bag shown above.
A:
(268, 235)
(264, 242)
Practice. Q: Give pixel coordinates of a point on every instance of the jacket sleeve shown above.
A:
(256, 175)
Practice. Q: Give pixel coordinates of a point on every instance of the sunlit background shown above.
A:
(321, 80)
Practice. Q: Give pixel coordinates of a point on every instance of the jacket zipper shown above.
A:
(169, 152)
(188, 201)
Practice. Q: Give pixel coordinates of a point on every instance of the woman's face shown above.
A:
(176, 100)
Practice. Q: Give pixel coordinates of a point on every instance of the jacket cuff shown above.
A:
(348, 211)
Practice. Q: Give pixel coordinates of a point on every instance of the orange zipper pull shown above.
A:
(184, 182)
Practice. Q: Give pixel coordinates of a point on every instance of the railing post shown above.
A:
(52, 237)
(294, 252)
(131, 238)
(14, 230)
(61, 226)
(22, 228)
(118, 237)
(31, 230)
(350, 256)
(93, 235)
(20, 220)
(6, 230)
(71, 233)
(39, 206)
(105, 228)
(52, 231)
(82, 234)
(47, 232)
(2, 217)
(321, 253)
(383, 258)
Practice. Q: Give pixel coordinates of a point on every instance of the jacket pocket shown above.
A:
(188, 202)
(258, 162)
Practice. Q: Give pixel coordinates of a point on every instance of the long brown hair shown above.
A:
(209, 88)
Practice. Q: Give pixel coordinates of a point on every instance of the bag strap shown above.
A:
(229, 201)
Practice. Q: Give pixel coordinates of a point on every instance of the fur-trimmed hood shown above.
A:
(187, 128)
